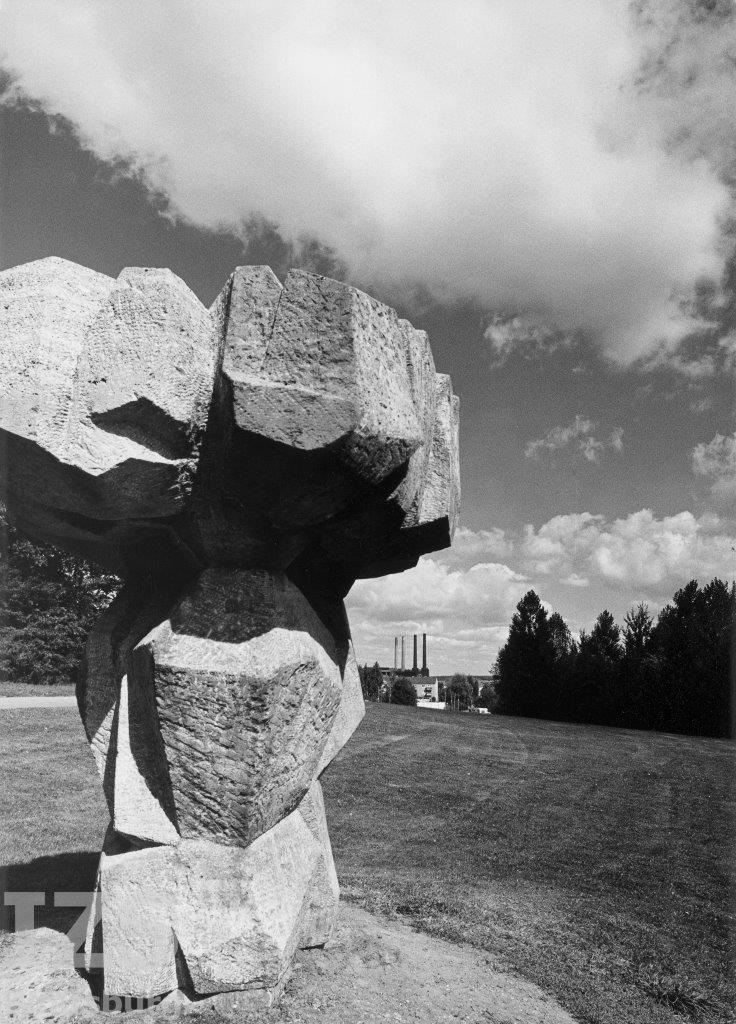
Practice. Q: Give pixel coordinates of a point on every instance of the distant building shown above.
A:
(429, 688)
(389, 674)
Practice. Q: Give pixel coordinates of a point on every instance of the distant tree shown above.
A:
(371, 681)
(675, 675)
(459, 692)
(692, 643)
(403, 691)
(639, 670)
(596, 685)
(637, 633)
(48, 602)
(565, 653)
(526, 662)
(487, 696)
(560, 635)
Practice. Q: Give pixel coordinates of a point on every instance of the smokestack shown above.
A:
(414, 668)
(396, 653)
(402, 654)
(424, 654)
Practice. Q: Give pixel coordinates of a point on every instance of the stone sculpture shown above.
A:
(240, 468)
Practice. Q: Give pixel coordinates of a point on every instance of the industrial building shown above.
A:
(429, 688)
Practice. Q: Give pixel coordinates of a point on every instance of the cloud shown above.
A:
(465, 602)
(632, 552)
(573, 580)
(464, 612)
(717, 460)
(501, 153)
(577, 436)
(524, 336)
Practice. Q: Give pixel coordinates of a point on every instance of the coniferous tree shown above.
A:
(596, 688)
(692, 641)
(565, 652)
(526, 662)
(639, 669)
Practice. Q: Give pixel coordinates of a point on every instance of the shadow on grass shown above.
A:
(72, 872)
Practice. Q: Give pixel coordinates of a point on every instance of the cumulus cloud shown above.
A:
(577, 436)
(490, 152)
(462, 611)
(717, 460)
(638, 550)
(465, 602)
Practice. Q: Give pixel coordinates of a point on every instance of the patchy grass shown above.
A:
(8, 689)
(573, 855)
(678, 994)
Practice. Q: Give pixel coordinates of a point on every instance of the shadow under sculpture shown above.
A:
(239, 467)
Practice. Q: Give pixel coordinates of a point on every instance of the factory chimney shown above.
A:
(403, 665)
(414, 668)
(425, 670)
(396, 653)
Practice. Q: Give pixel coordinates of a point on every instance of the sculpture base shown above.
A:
(207, 918)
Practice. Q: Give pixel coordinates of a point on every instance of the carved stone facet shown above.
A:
(240, 467)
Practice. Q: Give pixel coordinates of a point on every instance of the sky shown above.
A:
(549, 189)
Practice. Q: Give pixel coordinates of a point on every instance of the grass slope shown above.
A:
(572, 854)
(575, 856)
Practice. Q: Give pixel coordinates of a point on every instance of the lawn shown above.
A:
(8, 689)
(587, 860)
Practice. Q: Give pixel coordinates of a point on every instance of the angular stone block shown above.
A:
(330, 404)
(382, 538)
(130, 762)
(204, 916)
(247, 683)
(106, 392)
(240, 467)
(244, 312)
(320, 910)
(349, 714)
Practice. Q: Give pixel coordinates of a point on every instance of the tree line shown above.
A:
(48, 602)
(460, 693)
(672, 675)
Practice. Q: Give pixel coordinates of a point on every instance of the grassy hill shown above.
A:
(590, 861)
(575, 855)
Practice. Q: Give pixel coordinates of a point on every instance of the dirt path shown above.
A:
(12, 703)
(373, 970)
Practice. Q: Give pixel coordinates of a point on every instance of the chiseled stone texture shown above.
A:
(240, 467)
(320, 911)
(247, 684)
(131, 762)
(38, 982)
(349, 714)
(202, 916)
(326, 401)
(106, 392)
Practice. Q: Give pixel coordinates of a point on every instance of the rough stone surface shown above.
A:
(247, 685)
(130, 762)
(320, 912)
(106, 392)
(38, 982)
(373, 969)
(235, 915)
(349, 714)
(240, 467)
(245, 311)
(330, 406)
